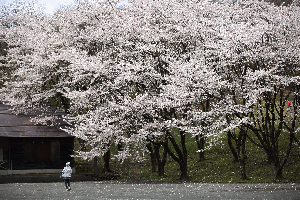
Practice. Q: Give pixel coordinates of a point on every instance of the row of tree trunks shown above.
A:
(158, 161)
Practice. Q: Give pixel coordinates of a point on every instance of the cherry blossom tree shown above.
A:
(16, 22)
(127, 96)
(155, 72)
(264, 70)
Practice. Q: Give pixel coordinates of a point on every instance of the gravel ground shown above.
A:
(113, 190)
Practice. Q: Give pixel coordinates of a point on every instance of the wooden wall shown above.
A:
(37, 153)
(5, 146)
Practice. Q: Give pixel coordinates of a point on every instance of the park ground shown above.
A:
(119, 190)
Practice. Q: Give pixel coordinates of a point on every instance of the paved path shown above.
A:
(113, 190)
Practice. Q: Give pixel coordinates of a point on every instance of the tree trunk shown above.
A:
(95, 166)
(181, 159)
(278, 168)
(183, 170)
(153, 157)
(232, 149)
(239, 151)
(243, 155)
(278, 175)
(269, 159)
(201, 141)
(278, 164)
(106, 158)
(200, 144)
(161, 162)
(184, 175)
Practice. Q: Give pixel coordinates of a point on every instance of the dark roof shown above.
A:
(12, 125)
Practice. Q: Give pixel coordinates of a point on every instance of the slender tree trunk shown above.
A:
(243, 155)
(239, 151)
(232, 149)
(201, 140)
(278, 175)
(161, 161)
(152, 157)
(200, 144)
(120, 148)
(95, 166)
(269, 159)
(183, 170)
(184, 175)
(106, 158)
(243, 169)
(181, 159)
(160, 171)
(278, 168)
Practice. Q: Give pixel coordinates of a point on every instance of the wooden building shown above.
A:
(29, 148)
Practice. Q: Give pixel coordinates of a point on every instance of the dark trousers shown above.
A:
(67, 183)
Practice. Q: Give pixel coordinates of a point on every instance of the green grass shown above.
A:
(220, 168)
(217, 168)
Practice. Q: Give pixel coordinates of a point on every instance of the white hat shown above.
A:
(68, 163)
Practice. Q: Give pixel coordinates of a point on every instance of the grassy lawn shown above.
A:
(217, 168)
(220, 168)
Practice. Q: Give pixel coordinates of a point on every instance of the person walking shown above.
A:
(66, 175)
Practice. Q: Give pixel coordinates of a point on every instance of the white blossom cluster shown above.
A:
(125, 74)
